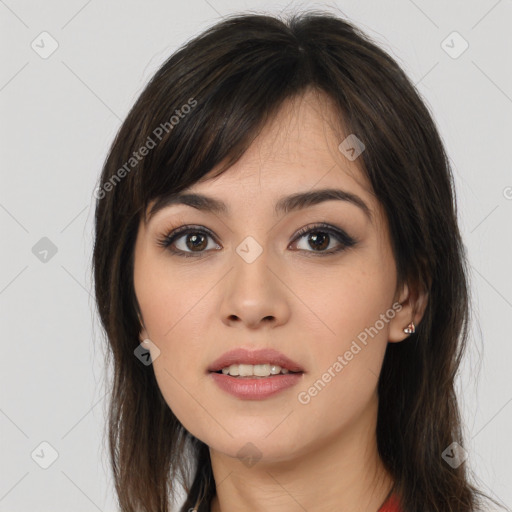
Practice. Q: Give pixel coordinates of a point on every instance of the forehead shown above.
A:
(302, 138)
(296, 151)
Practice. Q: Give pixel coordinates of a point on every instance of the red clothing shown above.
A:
(391, 505)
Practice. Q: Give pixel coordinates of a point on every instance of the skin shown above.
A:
(320, 456)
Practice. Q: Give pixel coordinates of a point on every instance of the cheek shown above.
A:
(355, 309)
(169, 300)
(344, 303)
(171, 304)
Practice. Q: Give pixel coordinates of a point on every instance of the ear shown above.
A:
(413, 303)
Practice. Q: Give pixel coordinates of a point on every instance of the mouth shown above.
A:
(255, 375)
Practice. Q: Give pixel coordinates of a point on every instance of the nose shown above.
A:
(255, 294)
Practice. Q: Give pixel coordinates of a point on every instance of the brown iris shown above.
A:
(322, 237)
(197, 241)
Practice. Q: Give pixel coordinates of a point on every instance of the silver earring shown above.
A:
(410, 329)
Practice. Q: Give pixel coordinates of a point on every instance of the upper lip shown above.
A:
(261, 356)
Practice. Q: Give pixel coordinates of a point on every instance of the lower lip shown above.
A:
(256, 389)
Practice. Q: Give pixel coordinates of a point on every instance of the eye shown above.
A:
(195, 241)
(320, 237)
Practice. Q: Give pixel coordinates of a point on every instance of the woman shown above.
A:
(281, 277)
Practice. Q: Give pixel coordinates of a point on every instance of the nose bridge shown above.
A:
(251, 273)
(253, 292)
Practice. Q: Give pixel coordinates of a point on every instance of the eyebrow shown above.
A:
(283, 206)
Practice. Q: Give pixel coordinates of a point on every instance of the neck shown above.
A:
(343, 473)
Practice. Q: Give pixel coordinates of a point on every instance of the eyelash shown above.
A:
(345, 240)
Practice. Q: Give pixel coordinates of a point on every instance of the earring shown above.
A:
(410, 329)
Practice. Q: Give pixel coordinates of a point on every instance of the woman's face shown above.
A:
(327, 302)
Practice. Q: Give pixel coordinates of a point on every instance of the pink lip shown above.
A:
(261, 356)
(256, 388)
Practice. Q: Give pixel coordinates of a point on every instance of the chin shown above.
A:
(257, 446)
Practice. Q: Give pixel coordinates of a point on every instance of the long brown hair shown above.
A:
(204, 106)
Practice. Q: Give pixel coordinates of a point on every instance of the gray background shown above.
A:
(59, 115)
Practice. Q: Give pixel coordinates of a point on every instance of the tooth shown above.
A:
(262, 370)
(258, 370)
(233, 369)
(275, 369)
(245, 370)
